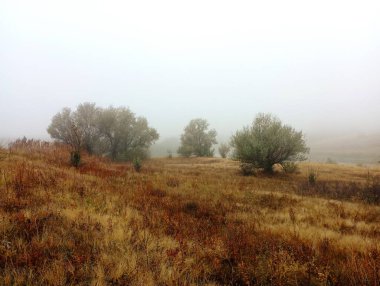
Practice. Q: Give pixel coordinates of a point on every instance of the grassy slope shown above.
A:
(183, 222)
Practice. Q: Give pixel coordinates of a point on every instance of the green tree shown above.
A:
(197, 139)
(268, 142)
(115, 132)
(224, 149)
(86, 118)
(125, 137)
(63, 128)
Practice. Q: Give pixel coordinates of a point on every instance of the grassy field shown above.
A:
(184, 222)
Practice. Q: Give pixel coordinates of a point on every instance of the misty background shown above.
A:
(315, 65)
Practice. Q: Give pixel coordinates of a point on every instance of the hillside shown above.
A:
(360, 148)
(184, 222)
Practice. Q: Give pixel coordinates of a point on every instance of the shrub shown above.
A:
(75, 159)
(312, 177)
(137, 165)
(290, 167)
(224, 149)
(247, 169)
(268, 142)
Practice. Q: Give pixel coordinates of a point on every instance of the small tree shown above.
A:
(86, 118)
(268, 142)
(64, 129)
(224, 149)
(124, 136)
(197, 139)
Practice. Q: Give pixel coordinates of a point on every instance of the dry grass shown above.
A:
(183, 222)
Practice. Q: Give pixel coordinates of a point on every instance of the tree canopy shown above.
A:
(197, 139)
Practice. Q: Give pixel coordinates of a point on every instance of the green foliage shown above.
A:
(290, 167)
(197, 139)
(64, 128)
(268, 142)
(224, 149)
(75, 159)
(137, 165)
(312, 177)
(115, 132)
(86, 117)
(247, 169)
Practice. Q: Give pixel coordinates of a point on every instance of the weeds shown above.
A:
(185, 222)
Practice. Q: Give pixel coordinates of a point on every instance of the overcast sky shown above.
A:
(315, 64)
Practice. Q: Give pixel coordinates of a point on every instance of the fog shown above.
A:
(315, 65)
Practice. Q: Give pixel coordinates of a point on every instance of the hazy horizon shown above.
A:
(315, 66)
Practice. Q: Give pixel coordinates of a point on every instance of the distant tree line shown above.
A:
(113, 132)
(120, 135)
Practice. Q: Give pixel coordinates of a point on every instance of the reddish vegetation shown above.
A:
(182, 222)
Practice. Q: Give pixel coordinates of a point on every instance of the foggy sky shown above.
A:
(314, 64)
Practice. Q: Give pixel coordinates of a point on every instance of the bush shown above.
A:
(75, 158)
(268, 142)
(312, 177)
(247, 169)
(137, 165)
(224, 149)
(290, 167)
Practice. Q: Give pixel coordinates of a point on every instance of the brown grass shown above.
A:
(183, 222)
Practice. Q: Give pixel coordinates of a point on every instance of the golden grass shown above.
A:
(183, 222)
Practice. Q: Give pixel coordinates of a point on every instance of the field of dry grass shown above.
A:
(184, 222)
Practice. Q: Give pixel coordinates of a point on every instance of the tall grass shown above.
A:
(182, 222)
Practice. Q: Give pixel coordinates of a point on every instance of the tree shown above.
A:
(64, 129)
(125, 136)
(115, 132)
(268, 142)
(224, 149)
(86, 117)
(197, 139)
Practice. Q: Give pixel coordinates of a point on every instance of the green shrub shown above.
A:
(247, 169)
(312, 176)
(75, 158)
(224, 149)
(267, 142)
(290, 167)
(137, 165)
